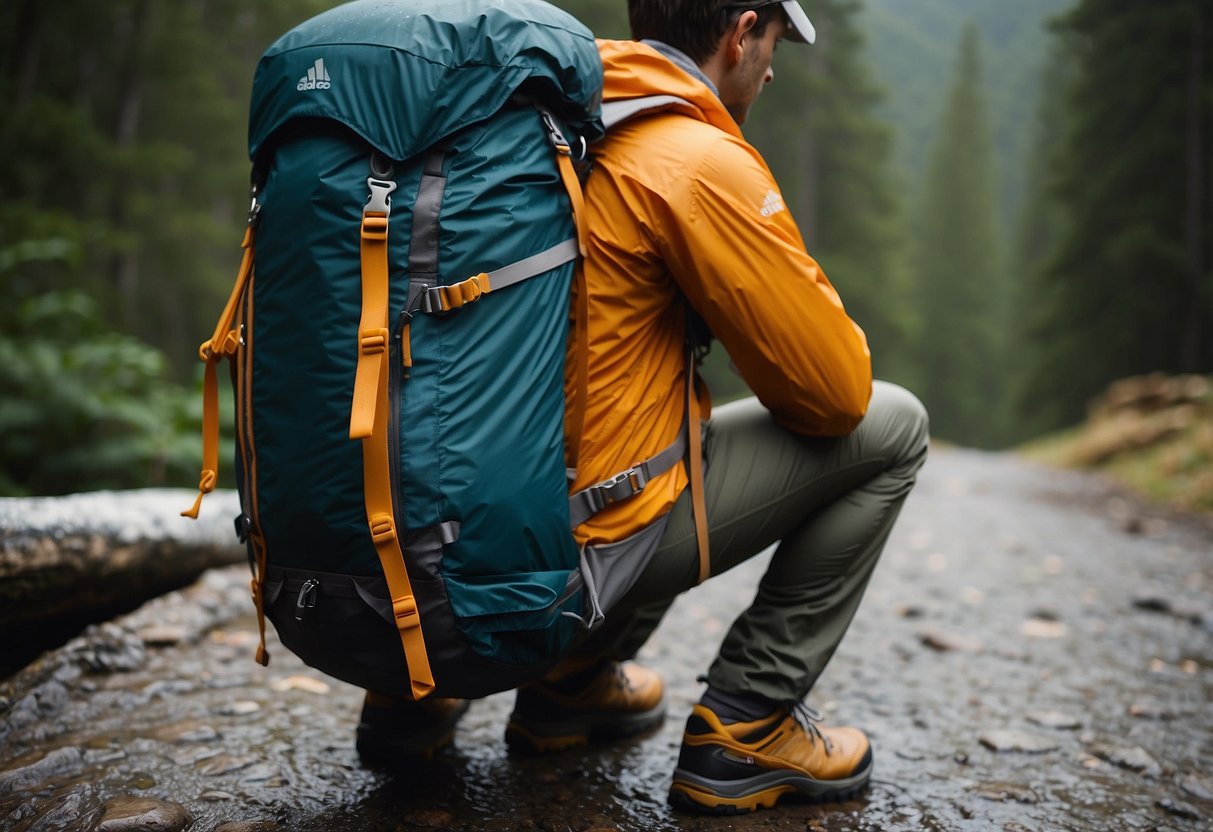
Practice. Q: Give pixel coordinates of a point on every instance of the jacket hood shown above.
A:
(635, 70)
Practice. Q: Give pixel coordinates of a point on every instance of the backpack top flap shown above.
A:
(404, 74)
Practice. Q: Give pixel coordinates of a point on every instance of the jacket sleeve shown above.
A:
(735, 251)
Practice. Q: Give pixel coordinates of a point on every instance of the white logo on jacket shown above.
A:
(773, 204)
(317, 77)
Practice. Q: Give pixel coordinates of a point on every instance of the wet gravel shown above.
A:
(1035, 653)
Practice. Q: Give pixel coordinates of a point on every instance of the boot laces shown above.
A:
(808, 718)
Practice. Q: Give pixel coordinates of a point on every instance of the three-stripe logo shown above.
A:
(317, 77)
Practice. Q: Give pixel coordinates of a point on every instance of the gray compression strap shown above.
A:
(626, 484)
(617, 112)
(423, 245)
(536, 264)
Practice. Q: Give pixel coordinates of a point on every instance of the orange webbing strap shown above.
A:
(379, 513)
(223, 342)
(581, 348)
(581, 336)
(369, 422)
(695, 449)
(258, 585)
(568, 175)
(373, 336)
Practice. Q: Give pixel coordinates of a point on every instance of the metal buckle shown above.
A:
(611, 492)
(307, 597)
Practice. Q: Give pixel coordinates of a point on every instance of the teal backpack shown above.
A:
(398, 336)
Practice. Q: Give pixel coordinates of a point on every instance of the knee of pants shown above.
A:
(903, 423)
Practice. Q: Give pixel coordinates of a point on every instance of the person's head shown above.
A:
(732, 41)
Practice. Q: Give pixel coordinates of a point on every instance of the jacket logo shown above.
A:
(773, 204)
(317, 78)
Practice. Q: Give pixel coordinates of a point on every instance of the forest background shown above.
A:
(1015, 201)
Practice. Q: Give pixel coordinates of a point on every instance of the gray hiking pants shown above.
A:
(830, 502)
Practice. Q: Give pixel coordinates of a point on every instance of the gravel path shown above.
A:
(1035, 653)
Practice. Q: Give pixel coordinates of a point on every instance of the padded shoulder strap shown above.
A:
(615, 113)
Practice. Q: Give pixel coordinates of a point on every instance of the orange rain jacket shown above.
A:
(679, 207)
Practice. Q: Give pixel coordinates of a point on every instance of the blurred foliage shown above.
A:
(84, 408)
(1126, 287)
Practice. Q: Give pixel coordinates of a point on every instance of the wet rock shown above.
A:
(33, 770)
(77, 809)
(945, 642)
(1151, 709)
(223, 764)
(191, 730)
(249, 826)
(1055, 719)
(429, 819)
(1005, 792)
(141, 780)
(1198, 785)
(141, 814)
(301, 682)
(243, 707)
(216, 796)
(1043, 628)
(259, 773)
(1178, 808)
(162, 636)
(1133, 758)
(107, 648)
(1010, 739)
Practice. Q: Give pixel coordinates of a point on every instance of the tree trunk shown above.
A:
(24, 59)
(131, 80)
(1196, 220)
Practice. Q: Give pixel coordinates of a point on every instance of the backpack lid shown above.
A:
(404, 74)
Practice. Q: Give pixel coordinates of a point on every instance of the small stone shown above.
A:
(301, 682)
(223, 764)
(141, 814)
(1055, 719)
(1198, 785)
(911, 611)
(1004, 792)
(1152, 603)
(249, 826)
(242, 707)
(946, 642)
(1010, 739)
(1178, 808)
(259, 773)
(215, 795)
(161, 636)
(1149, 709)
(1043, 628)
(1012, 826)
(141, 780)
(189, 731)
(429, 819)
(1132, 758)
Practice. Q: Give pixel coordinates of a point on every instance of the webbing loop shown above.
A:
(211, 352)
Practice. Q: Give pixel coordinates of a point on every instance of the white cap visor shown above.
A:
(802, 30)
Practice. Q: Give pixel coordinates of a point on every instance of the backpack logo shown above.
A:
(773, 204)
(317, 78)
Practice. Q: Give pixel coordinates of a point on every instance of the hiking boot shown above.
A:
(395, 730)
(617, 700)
(743, 766)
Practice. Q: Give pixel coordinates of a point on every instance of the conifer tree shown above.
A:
(832, 158)
(958, 285)
(1129, 288)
